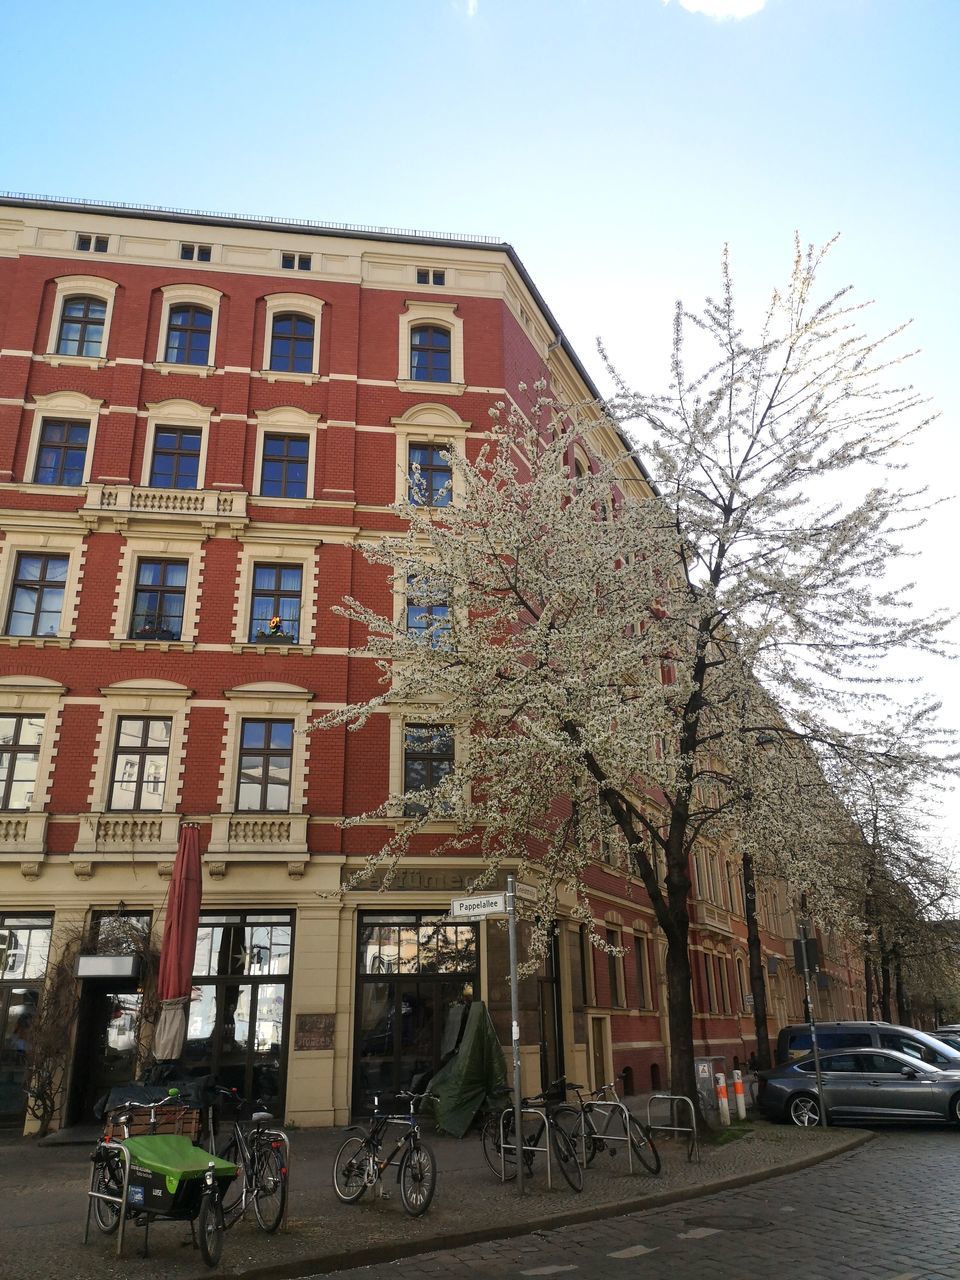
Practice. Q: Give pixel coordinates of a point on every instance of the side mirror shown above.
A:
(908, 1072)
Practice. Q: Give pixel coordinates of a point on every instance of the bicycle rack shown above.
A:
(120, 1201)
(512, 1146)
(606, 1137)
(675, 1100)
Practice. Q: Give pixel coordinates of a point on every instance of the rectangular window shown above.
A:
(641, 960)
(98, 244)
(427, 760)
(430, 475)
(61, 452)
(200, 252)
(428, 619)
(84, 243)
(19, 755)
(439, 277)
(266, 763)
(284, 470)
(140, 764)
(586, 963)
(36, 601)
(188, 335)
(82, 321)
(275, 607)
(176, 458)
(288, 261)
(613, 970)
(423, 275)
(24, 946)
(710, 985)
(304, 261)
(158, 600)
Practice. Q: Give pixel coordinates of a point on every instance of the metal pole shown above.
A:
(515, 1028)
(813, 1024)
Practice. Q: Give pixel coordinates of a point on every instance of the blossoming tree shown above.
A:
(610, 660)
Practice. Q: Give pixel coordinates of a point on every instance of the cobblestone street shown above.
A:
(885, 1212)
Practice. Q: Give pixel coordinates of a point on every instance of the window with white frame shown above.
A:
(429, 474)
(428, 758)
(158, 599)
(265, 768)
(431, 348)
(291, 345)
(284, 466)
(80, 323)
(61, 456)
(423, 435)
(20, 738)
(275, 602)
(140, 759)
(36, 600)
(175, 449)
(277, 585)
(188, 326)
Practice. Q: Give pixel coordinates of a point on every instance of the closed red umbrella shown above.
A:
(175, 978)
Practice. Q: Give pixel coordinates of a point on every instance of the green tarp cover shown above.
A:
(469, 1081)
(175, 1156)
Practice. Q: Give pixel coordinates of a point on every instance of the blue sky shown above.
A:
(616, 143)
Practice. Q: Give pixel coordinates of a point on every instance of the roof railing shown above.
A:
(82, 202)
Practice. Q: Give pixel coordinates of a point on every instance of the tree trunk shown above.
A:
(867, 983)
(904, 1013)
(758, 986)
(884, 981)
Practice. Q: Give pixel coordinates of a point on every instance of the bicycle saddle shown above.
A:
(261, 1117)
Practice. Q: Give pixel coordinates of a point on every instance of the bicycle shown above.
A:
(262, 1154)
(580, 1124)
(157, 1177)
(358, 1164)
(499, 1146)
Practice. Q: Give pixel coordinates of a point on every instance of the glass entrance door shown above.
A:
(415, 982)
(106, 1043)
(18, 1005)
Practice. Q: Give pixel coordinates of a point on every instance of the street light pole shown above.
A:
(812, 1021)
(515, 1029)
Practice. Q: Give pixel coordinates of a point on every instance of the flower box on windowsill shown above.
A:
(273, 637)
(154, 633)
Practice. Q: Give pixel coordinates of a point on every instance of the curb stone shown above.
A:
(329, 1263)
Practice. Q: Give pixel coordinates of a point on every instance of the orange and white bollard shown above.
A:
(738, 1095)
(720, 1083)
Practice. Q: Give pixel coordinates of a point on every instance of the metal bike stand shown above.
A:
(675, 1099)
(120, 1200)
(512, 1146)
(606, 1137)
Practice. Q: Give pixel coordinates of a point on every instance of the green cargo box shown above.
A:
(166, 1174)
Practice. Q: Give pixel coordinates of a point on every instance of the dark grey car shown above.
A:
(860, 1084)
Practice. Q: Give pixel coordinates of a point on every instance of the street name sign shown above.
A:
(485, 904)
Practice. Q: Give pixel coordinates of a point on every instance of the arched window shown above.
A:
(430, 354)
(291, 343)
(81, 327)
(188, 335)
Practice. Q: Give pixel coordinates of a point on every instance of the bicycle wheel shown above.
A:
(584, 1138)
(643, 1148)
(234, 1198)
(418, 1178)
(269, 1183)
(490, 1145)
(109, 1180)
(349, 1170)
(566, 1157)
(567, 1119)
(210, 1228)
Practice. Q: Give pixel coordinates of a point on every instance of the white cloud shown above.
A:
(473, 5)
(720, 9)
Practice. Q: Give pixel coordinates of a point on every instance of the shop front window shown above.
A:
(24, 950)
(239, 1011)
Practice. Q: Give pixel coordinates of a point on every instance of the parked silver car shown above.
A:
(860, 1084)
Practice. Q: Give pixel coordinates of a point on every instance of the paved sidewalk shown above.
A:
(43, 1191)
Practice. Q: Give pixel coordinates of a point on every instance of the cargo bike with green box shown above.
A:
(147, 1169)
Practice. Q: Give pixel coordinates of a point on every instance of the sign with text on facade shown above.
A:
(484, 904)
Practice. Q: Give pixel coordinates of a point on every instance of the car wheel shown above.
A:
(804, 1110)
(955, 1109)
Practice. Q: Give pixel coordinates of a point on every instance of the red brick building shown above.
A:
(199, 416)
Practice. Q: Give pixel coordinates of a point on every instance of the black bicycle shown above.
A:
(600, 1122)
(499, 1145)
(360, 1164)
(262, 1153)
